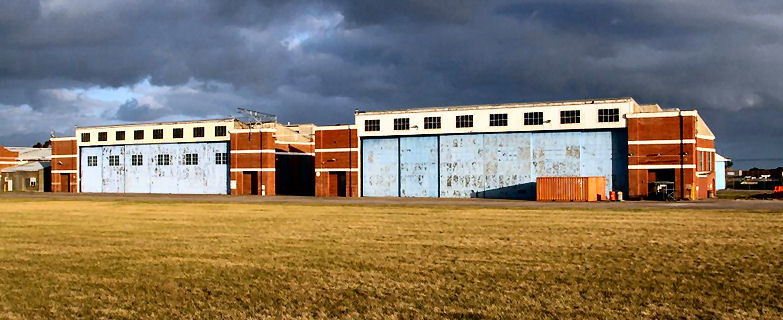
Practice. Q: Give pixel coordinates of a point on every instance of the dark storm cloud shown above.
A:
(315, 61)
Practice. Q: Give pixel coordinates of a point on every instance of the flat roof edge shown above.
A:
(502, 105)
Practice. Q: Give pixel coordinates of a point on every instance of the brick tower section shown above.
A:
(65, 164)
(336, 161)
(654, 154)
(252, 162)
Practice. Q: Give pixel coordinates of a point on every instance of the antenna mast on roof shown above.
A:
(258, 117)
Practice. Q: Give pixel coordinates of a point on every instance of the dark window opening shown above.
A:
(498, 119)
(431, 122)
(569, 117)
(372, 125)
(465, 121)
(220, 131)
(402, 124)
(178, 133)
(609, 115)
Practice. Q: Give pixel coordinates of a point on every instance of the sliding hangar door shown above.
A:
(176, 168)
(489, 165)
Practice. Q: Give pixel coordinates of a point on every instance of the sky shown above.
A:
(66, 63)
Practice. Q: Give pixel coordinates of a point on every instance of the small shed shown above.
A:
(28, 177)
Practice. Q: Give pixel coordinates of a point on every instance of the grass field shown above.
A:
(146, 259)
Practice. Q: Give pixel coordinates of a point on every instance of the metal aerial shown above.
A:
(257, 116)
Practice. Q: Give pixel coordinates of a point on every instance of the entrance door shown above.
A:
(65, 182)
(250, 182)
(341, 184)
(337, 184)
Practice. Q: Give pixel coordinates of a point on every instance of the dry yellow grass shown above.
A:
(132, 259)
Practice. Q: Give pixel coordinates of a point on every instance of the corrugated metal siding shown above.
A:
(419, 167)
(570, 188)
(380, 161)
(207, 177)
(493, 165)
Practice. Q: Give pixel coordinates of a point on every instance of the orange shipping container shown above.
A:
(570, 188)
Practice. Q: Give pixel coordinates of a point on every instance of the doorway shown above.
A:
(65, 182)
(250, 182)
(337, 184)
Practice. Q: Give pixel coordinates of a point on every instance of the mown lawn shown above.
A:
(132, 259)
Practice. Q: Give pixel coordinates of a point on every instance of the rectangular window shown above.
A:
(114, 161)
(33, 182)
(92, 161)
(138, 135)
(221, 158)
(431, 122)
(402, 124)
(709, 161)
(534, 118)
(164, 159)
(372, 125)
(700, 164)
(609, 115)
(157, 134)
(119, 135)
(137, 160)
(103, 136)
(198, 132)
(178, 133)
(465, 121)
(569, 116)
(191, 159)
(86, 137)
(498, 119)
(220, 131)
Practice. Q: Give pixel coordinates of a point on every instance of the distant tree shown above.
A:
(46, 144)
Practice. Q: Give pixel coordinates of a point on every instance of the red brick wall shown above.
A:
(64, 148)
(253, 142)
(666, 128)
(343, 162)
(7, 156)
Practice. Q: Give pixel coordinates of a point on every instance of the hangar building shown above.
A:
(223, 156)
(485, 151)
(498, 151)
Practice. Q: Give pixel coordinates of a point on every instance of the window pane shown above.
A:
(569, 116)
(498, 119)
(465, 121)
(372, 125)
(220, 131)
(198, 132)
(431, 122)
(402, 124)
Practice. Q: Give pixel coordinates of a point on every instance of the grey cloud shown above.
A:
(316, 61)
(132, 111)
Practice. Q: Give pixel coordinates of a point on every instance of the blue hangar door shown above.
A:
(400, 167)
(492, 165)
(155, 168)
